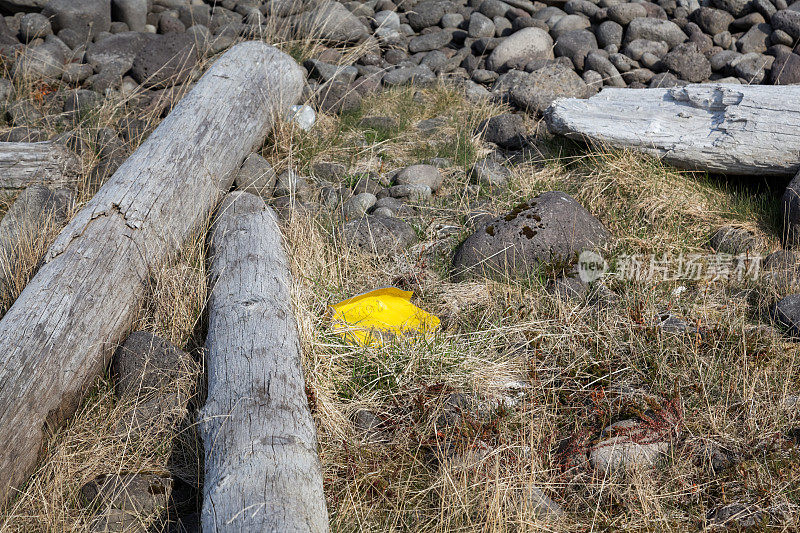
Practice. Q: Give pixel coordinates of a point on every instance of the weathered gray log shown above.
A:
(262, 471)
(45, 163)
(59, 334)
(730, 129)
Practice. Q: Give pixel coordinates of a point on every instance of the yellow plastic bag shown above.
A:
(377, 315)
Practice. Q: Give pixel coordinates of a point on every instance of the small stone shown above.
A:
(256, 176)
(686, 62)
(655, 30)
(787, 314)
(712, 21)
(732, 240)
(290, 184)
(736, 516)
(507, 131)
(329, 171)
(131, 12)
(39, 62)
(430, 41)
(489, 173)
(81, 101)
(358, 205)
(420, 175)
(545, 85)
(164, 60)
(609, 33)
(379, 235)
(378, 123)
(366, 184)
(326, 72)
(575, 45)
(33, 26)
(387, 19)
(416, 193)
(336, 97)
(452, 20)
(480, 26)
(623, 14)
(631, 444)
(126, 502)
(76, 73)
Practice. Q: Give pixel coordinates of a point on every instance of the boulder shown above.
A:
(550, 230)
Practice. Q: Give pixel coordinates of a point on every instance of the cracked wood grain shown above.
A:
(730, 129)
(262, 471)
(44, 163)
(59, 334)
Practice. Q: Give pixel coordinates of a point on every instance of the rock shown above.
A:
(115, 54)
(623, 14)
(655, 30)
(785, 69)
(452, 20)
(164, 60)
(330, 21)
(336, 97)
(6, 90)
(33, 26)
(752, 67)
(256, 176)
(494, 8)
(541, 504)
(81, 101)
(329, 171)
(76, 73)
(756, 39)
(34, 208)
(193, 14)
(787, 313)
(575, 45)
(686, 62)
(489, 173)
(566, 288)
(366, 184)
(88, 17)
(387, 19)
(480, 26)
(550, 229)
(712, 21)
(169, 23)
(427, 14)
(629, 444)
(303, 116)
(732, 240)
(518, 49)
(736, 516)
(358, 205)
(569, 23)
(609, 33)
(415, 193)
(737, 8)
(379, 235)
(637, 48)
(507, 131)
(291, 184)
(131, 12)
(126, 502)
(787, 20)
(326, 72)
(39, 62)
(543, 86)
(430, 41)
(600, 63)
(369, 424)
(406, 75)
(420, 175)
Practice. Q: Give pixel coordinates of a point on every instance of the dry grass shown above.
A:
(516, 383)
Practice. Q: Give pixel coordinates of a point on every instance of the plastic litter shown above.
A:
(302, 115)
(380, 315)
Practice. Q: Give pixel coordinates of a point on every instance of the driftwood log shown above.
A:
(730, 129)
(59, 334)
(262, 471)
(43, 163)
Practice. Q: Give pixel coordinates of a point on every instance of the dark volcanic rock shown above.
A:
(378, 234)
(543, 86)
(86, 17)
(686, 62)
(552, 229)
(164, 60)
(506, 131)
